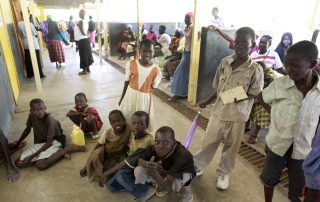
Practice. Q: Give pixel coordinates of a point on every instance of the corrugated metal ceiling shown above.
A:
(61, 3)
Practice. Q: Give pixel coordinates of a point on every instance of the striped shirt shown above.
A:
(270, 58)
(294, 118)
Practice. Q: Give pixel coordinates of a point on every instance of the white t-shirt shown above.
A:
(270, 58)
(77, 33)
(165, 40)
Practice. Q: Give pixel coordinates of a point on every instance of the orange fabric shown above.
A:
(134, 78)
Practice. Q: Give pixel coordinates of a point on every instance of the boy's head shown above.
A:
(117, 121)
(146, 49)
(215, 11)
(37, 108)
(245, 38)
(300, 58)
(80, 100)
(90, 17)
(164, 141)
(139, 122)
(162, 29)
(265, 43)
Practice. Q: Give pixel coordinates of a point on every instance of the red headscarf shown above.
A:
(191, 15)
(82, 13)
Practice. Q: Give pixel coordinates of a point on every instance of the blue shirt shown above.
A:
(311, 164)
(23, 33)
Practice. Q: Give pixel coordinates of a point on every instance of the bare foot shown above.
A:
(102, 180)
(83, 172)
(74, 148)
(13, 174)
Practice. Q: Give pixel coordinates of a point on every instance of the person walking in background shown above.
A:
(285, 43)
(92, 31)
(55, 49)
(80, 35)
(27, 56)
(180, 80)
(70, 30)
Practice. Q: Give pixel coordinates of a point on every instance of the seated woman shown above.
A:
(111, 147)
(176, 47)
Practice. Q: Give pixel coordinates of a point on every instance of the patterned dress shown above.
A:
(259, 115)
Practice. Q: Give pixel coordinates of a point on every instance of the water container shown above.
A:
(77, 136)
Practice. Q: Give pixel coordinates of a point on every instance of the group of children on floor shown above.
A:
(130, 159)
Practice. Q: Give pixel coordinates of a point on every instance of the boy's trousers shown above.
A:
(231, 133)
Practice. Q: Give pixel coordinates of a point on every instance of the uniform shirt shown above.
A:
(270, 58)
(44, 129)
(23, 33)
(311, 165)
(249, 75)
(177, 162)
(294, 118)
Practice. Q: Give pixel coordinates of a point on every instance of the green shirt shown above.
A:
(294, 118)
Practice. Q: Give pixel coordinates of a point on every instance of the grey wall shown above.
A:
(213, 49)
(6, 97)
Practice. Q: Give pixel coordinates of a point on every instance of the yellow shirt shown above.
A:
(142, 143)
(249, 75)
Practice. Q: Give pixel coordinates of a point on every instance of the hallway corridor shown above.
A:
(103, 87)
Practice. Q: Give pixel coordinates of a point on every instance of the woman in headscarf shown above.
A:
(55, 49)
(285, 43)
(180, 80)
(84, 44)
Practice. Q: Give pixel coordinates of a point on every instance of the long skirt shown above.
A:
(55, 51)
(85, 53)
(180, 79)
(28, 63)
(71, 36)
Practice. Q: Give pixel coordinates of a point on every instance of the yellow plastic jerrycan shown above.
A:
(77, 136)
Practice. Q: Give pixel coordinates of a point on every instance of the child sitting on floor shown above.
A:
(140, 78)
(294, 104)
(87, 118)
(168, 163)
(139, 140)
(48, 139)
(259, 116)
(111, 148)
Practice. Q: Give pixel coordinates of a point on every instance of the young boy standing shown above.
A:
(48, 139)
(227, 121)
(295, 110)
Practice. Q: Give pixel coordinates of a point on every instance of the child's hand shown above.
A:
(236, 100)
(152, 167)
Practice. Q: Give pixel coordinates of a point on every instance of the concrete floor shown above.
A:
(103, 87)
